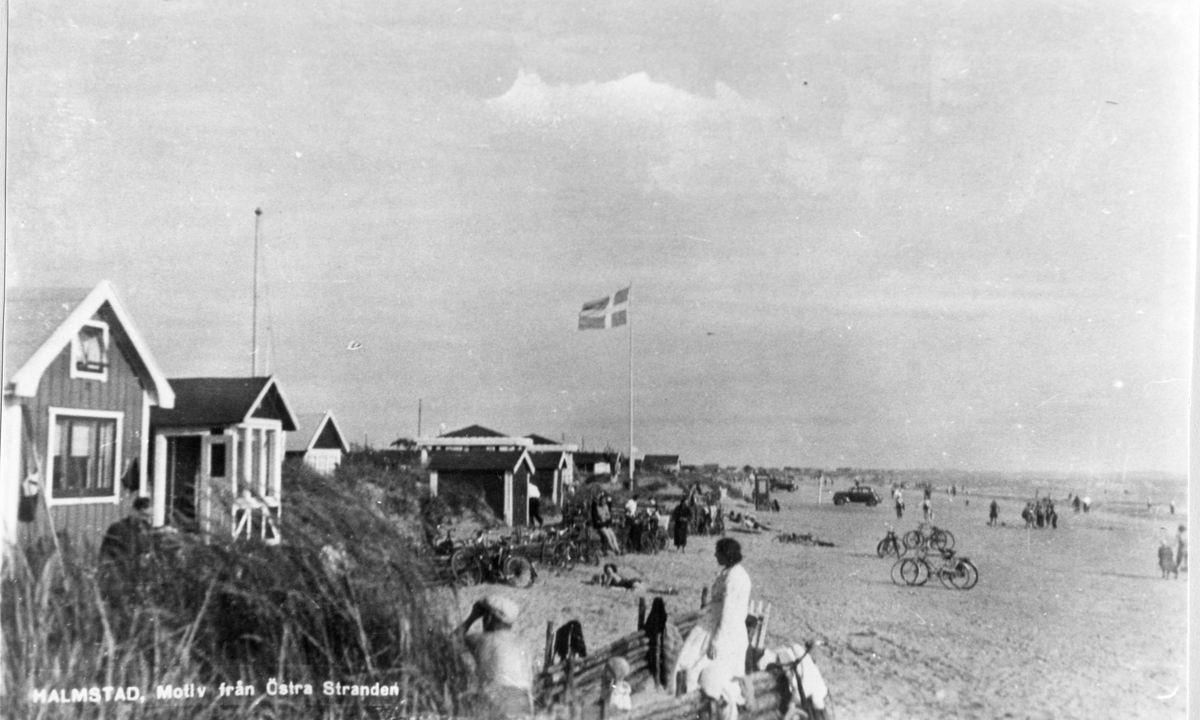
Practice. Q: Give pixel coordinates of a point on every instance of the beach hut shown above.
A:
(555, 463)
(662, 463)
(79, 384)
(317, 441)
(500, 476)
(597, 463)
(473, 438)
(218, 456)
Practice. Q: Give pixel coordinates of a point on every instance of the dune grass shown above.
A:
(344, 599)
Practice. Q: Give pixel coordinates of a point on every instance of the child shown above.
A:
(619, 692)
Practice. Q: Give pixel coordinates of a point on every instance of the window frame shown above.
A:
(52, 447)
(85, 373)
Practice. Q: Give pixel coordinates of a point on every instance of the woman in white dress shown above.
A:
(714, 653)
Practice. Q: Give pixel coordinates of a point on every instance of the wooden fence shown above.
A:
(576, 683)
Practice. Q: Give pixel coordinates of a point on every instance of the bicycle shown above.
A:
(928, 536)
(889, 545)
(958, 573)
(498, 563)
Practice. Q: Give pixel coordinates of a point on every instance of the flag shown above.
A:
(607, 312)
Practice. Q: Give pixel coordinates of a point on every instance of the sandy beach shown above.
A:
(1068, 623)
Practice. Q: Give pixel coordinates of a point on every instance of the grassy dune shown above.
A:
(286, 618)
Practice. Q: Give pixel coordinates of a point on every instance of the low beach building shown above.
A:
(662, 463)
(317, 441)
(218, 456)
(597, 463)
(79, 386)
(555, 463)
(473, 438)
(501, 477)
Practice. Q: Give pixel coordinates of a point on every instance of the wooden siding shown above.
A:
(86, 523)
(489, 483)
(546, 481)
(520, 496)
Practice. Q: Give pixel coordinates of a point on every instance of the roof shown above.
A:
(308, 431)
(472, 431)
(506, 461)
(540, 440)
(223, 401)
(660, 460)
(40, 322)
(546, 460)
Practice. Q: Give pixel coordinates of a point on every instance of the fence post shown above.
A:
(548, 658)
(641, 618)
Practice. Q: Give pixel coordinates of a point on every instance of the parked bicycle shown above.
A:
(890, 545)
(927, 537)
(954, 572)
(492, 563)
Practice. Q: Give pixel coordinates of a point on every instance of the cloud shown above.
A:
(684, 144)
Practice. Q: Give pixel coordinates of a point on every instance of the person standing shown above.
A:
(927, 508)
(899, 504)
(535, 505)
(682, 517)
(1181, 548)
(127, 540)
(602, 521)
(993, 512)
(502, 666)
(714, 653)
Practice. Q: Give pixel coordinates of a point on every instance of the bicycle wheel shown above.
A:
(466, 569)
(965, 575)
(882, 548)
(942, 539)
(518, 571)
(912, 539)
(914, 571)
(896, 578)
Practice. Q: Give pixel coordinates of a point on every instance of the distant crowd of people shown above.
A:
(1040, 513)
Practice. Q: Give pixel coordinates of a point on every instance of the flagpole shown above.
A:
(629, 320)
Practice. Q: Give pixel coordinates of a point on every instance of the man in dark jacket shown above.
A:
(128, 539)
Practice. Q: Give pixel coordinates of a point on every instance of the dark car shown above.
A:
(783, 484)
(856, 494)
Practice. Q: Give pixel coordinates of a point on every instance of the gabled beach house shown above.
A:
(218, 456)
(317, 441)
(80, 383)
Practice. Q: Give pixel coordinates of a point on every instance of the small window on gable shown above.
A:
(89, 352)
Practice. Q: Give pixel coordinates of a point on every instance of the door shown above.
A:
(214, 497)
(183, 468)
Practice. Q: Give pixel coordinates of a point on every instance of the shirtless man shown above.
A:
(501, 663)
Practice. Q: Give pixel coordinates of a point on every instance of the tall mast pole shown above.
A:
(629, 321)
(254, 321)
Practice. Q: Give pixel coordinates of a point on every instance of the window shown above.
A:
(85, 455)
(89, 352)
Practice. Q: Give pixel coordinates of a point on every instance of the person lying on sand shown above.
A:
(613, 578)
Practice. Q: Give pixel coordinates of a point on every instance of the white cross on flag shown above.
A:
(607, 312)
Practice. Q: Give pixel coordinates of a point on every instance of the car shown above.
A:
(783, 484)
(857, 494)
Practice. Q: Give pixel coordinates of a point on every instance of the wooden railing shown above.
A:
(576, 683)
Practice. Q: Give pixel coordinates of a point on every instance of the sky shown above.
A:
(937, 235)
